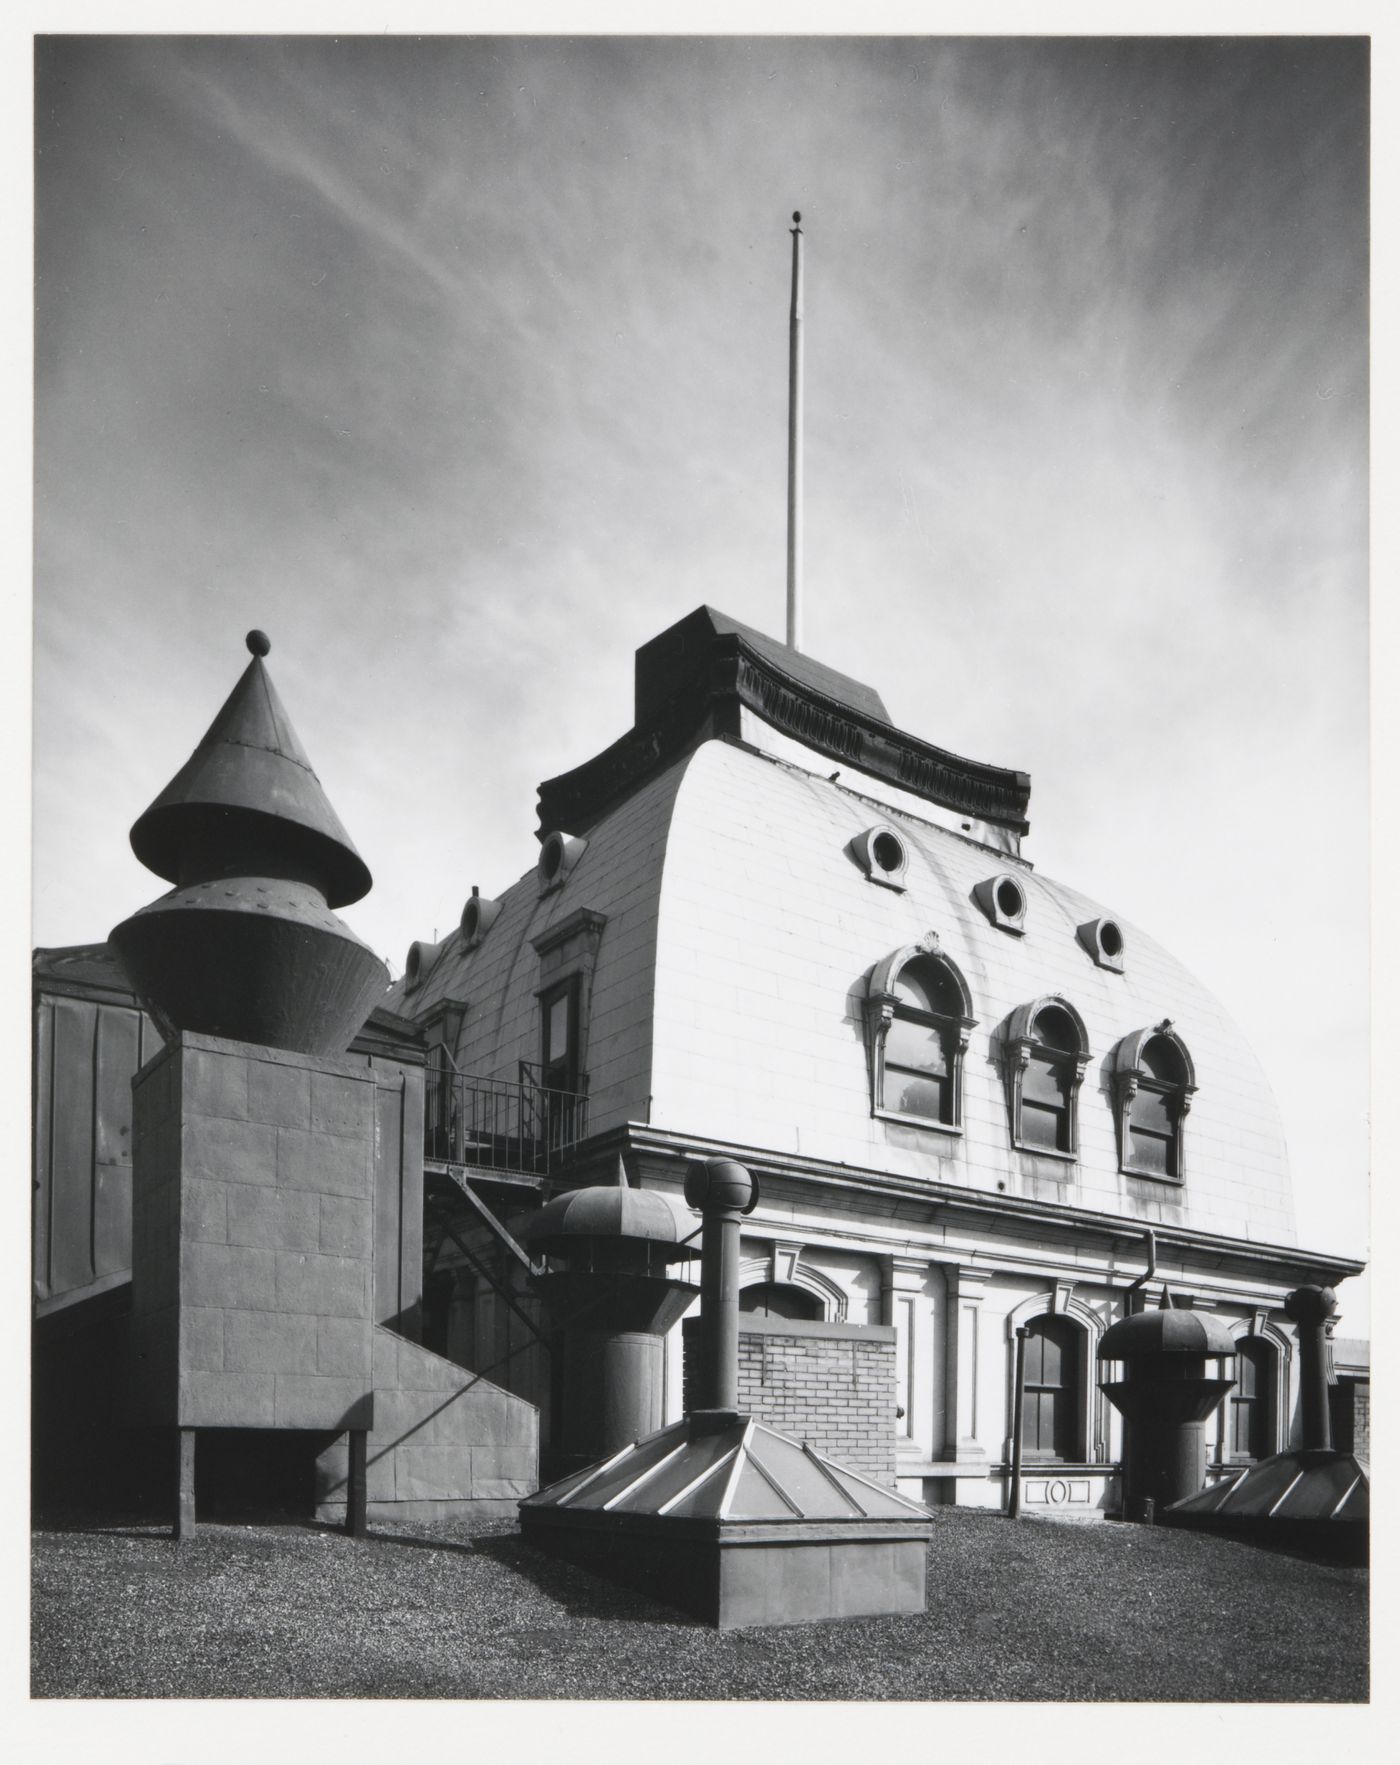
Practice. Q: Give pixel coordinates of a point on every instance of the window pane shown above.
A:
(1044, 1127)
(915, 1096)
(915, 1045)
(1152, 1110)
(1045, 1082)
(1056, 1029)
(1151, 1152)
(557, 1038)
(928, 986)
(1160, 1058)
(1050, 1374)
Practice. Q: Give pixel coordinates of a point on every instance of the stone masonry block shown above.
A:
(513, 1423)
(343, 1348)
(517, 1462)
(421, 1370)
(342, 1106)
(432, 1471)
(398, 1412)
(328, 1286)
(160, 1155)
(386, 1357)
(226, 1400)
(202, 1339)
(205, 1212)
(279, 1219)
(346, 1227)
(269, 1342)
(215, 1084)
(234, 1277)
(310, 1401)
(325, 1164)
(222, 1151)
(503, 1488)
(279, 1095)
(380, 1480)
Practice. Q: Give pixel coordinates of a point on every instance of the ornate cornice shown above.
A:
(738, 675)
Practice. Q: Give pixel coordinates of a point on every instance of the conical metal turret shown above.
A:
(250, 770)
(246, 946)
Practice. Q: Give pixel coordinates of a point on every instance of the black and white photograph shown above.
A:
(701, 990)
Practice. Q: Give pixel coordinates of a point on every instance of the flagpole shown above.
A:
(794, 507)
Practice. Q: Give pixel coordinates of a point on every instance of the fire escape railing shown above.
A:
(500, 1124)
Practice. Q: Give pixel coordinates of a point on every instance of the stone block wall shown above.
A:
(832, 1385)
(253, 1238)
(445, 1441)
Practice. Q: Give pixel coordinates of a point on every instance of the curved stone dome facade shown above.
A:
(724, 996)
(768, 930)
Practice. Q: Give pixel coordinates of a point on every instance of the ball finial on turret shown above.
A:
(258, 642)
(796, 216)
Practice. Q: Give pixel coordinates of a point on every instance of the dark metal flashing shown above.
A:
(693, 691)
(82, 971)
(1205, 1250)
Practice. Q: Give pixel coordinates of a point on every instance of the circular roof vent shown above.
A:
(478, 916)
(559, 853)
(1003, 899)
(883, 854)
(1103, 939)
(422, 958)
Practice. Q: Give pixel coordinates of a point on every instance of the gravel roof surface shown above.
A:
(1035, 1610)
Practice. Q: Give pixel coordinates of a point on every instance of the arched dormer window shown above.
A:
(1154, 1080)
(918, 1016)
(1047, 1052)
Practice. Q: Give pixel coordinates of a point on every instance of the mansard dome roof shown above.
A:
(728, 985)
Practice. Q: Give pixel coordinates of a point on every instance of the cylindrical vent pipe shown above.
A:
(723, 1191)
(1312, 1309)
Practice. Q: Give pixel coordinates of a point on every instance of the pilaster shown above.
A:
(904, 1304)
(964, 1291)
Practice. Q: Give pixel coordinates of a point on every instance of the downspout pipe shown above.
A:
(1147, 1275)
(1013, 1506)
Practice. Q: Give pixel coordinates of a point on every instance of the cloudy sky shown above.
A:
(459, 366)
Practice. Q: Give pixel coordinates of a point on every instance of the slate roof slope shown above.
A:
(726, 1002)
(769, 930)
(618, 877)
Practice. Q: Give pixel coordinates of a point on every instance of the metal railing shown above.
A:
(500, 1124)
